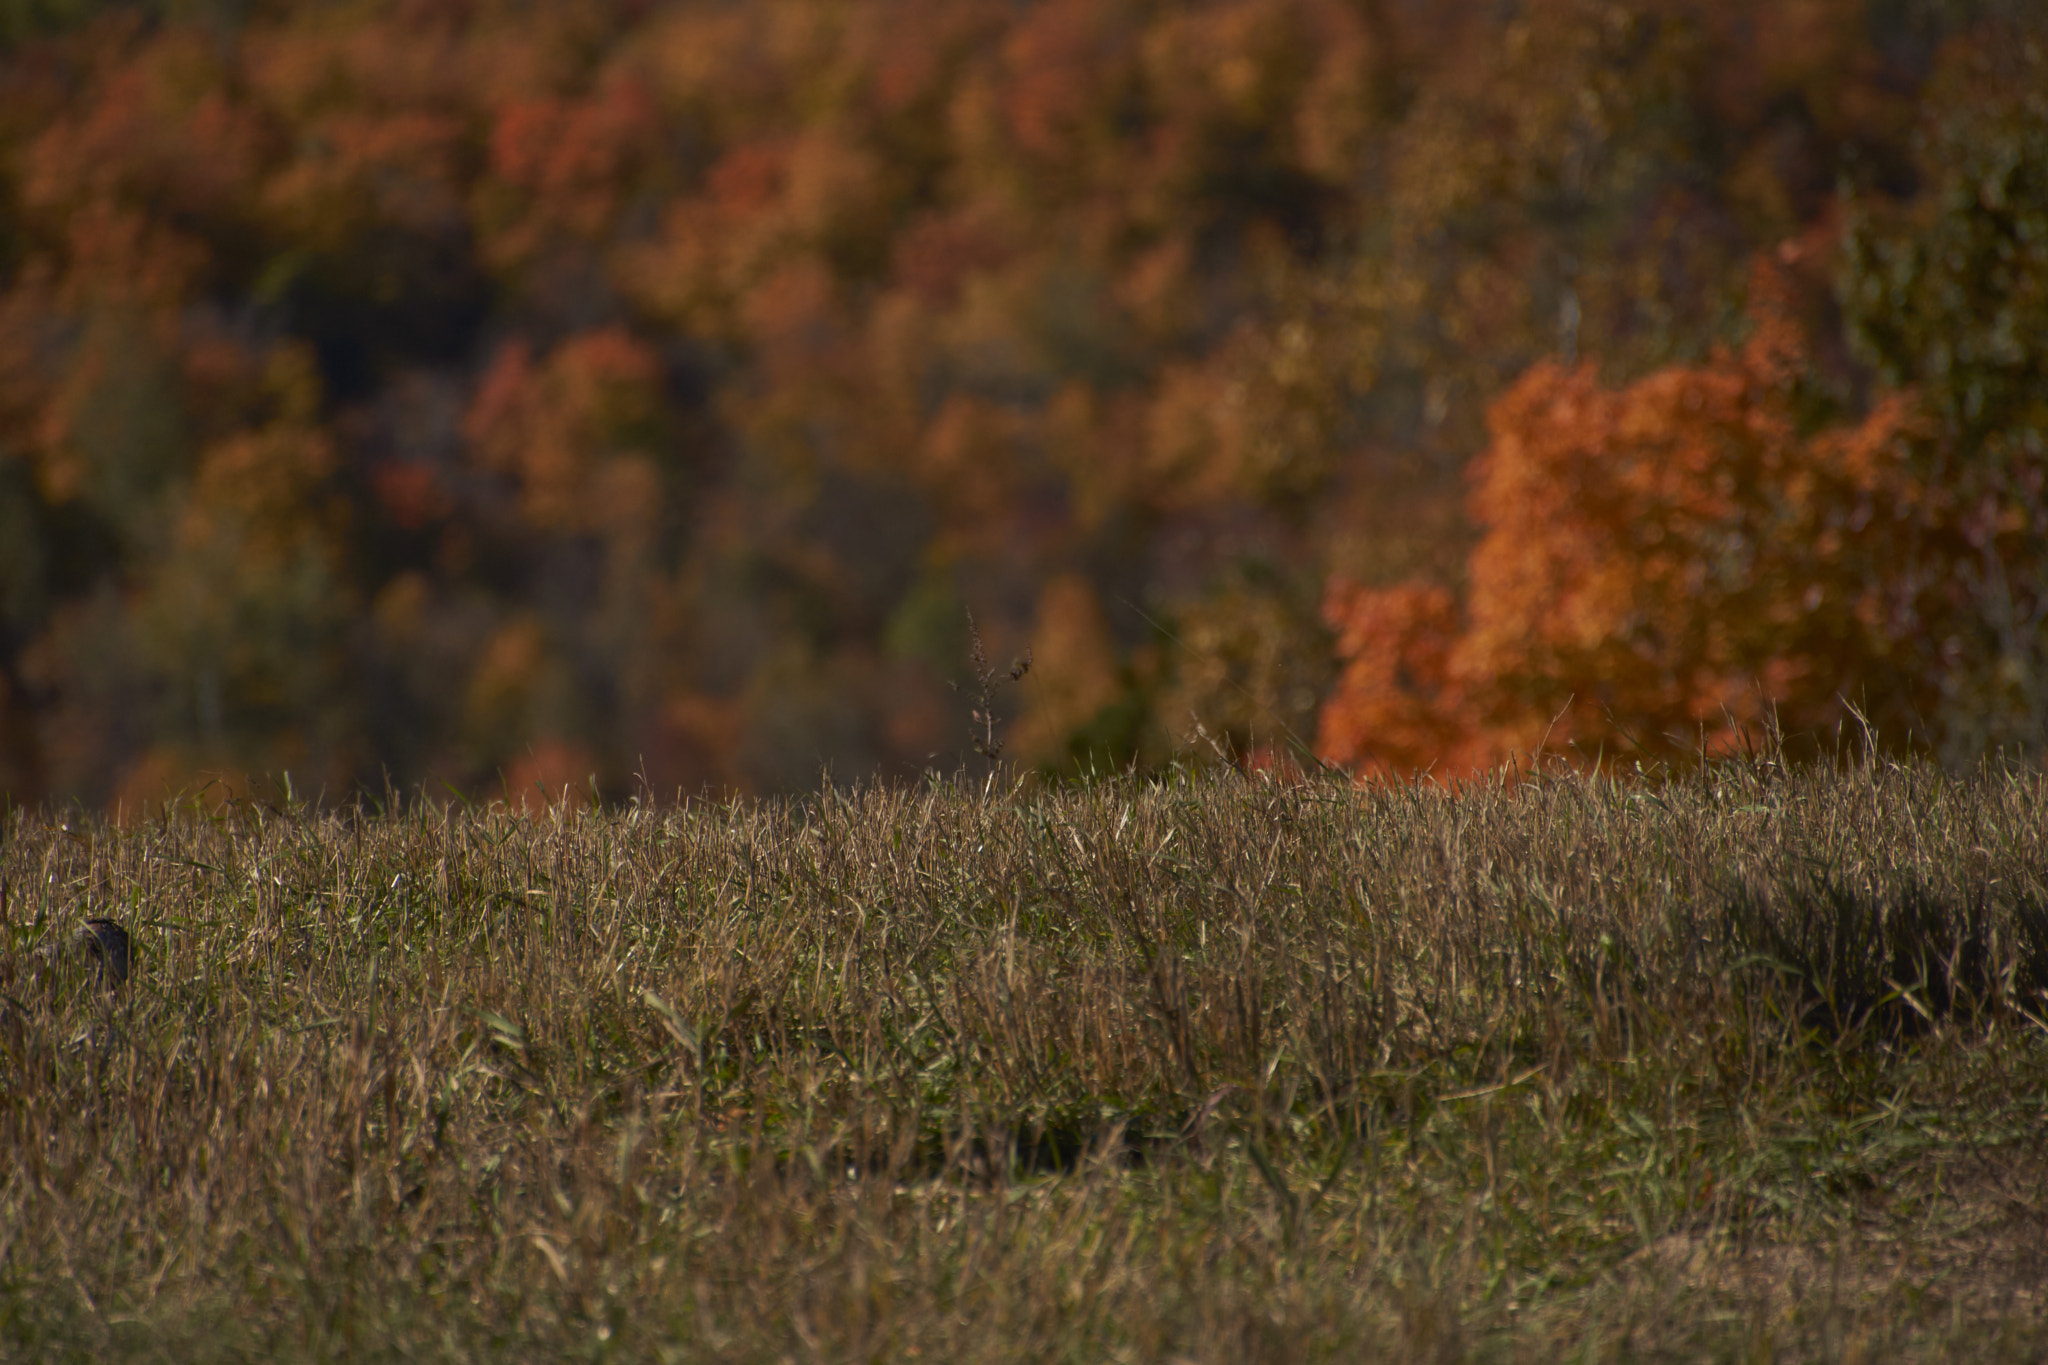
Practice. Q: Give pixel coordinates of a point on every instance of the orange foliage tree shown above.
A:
(1663, 567)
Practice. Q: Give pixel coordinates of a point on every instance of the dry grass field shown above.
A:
(1748, 1063)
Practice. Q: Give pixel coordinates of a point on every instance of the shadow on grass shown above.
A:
(1891, 962)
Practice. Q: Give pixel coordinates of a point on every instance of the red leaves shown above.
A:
(1399, 707)
(1659, 564)
(571, 430)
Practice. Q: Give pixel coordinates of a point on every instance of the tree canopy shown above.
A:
(504, 393)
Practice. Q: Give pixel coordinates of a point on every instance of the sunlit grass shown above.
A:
(1746, 1064)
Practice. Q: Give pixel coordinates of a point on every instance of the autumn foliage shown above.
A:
(1665, 565)
(483, 392)
(1683, 565)
(1731, 554)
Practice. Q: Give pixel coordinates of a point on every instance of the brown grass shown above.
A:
(1742, 1064)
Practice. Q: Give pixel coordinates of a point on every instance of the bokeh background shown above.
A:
(516, 393)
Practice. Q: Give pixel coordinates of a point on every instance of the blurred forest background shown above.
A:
(497, 393)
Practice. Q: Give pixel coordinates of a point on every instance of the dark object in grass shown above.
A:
(1897, 959)
(103, 945)
(99, 947)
